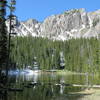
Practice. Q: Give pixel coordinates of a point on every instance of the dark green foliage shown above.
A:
(81, 55)
(3, 44)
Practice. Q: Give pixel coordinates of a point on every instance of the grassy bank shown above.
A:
(64, 72)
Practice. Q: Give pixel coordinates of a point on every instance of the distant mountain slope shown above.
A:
(74, 23)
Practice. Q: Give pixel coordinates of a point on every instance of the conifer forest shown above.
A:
(81, 55)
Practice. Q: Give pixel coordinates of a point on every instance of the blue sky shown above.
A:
(40, 9)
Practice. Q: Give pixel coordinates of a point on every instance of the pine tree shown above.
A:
(3, 34)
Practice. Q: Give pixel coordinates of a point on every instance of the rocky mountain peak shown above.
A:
(73, 23)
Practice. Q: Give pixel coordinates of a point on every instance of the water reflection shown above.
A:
(23, 76)
(3, 95)
(42, 86)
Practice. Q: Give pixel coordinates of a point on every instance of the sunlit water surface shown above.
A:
(34, 85)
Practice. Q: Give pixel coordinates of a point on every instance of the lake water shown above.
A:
(44, 86)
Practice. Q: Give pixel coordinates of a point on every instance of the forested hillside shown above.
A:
(81, 55)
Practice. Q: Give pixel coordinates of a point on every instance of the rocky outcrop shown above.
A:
(74, 23)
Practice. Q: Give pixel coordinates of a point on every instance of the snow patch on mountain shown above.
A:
(75, 23)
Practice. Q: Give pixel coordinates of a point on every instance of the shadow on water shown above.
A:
(3, 95)
(3, 87)
(42, 86)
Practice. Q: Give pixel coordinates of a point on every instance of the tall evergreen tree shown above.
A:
(3, 34)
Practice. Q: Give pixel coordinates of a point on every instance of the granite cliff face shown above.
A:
(74, 23)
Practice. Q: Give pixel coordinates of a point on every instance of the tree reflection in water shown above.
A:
(3, 95)
(41, 86)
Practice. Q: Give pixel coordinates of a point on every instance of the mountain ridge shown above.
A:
(75, 23)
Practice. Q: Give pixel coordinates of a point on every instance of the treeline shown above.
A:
(81, 55)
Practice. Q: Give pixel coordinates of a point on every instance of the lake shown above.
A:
(45, 86)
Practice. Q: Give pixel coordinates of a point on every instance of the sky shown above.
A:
(40, 9)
